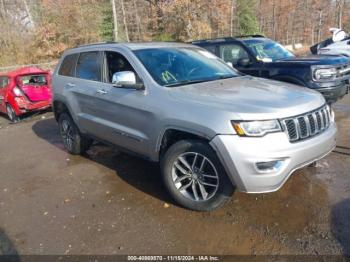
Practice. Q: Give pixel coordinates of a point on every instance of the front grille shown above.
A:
(343, 71)
(307, 125)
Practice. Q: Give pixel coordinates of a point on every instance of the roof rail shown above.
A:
(226, 38)
(98, 43)
(213, 39)
(254, 36)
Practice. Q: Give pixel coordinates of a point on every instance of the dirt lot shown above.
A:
(111, 203)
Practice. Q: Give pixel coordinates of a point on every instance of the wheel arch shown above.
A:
(172, 135)
(60, 107)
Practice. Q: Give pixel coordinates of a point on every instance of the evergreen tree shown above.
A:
(247, 21)
(106, 27)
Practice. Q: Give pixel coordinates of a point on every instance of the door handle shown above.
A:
(70, 85)
(101, 91)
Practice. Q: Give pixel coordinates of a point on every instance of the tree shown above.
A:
(246, 18)
(115, 21)
(107, 28)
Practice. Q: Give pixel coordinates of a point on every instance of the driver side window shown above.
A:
(232, 53)
(115, 63)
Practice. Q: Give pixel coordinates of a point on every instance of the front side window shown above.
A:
(183, 65)
(267, 50)
(116, 63)
(89, 66)
(210, 48)
(233, 53)
(68, 65)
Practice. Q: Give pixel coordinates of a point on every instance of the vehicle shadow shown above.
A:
(342, 150)
(26, 117)
(139, 173)
(340, 225)
(8, 251)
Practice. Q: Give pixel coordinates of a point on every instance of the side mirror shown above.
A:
(126, 79)
(244, 62)
(229, 64)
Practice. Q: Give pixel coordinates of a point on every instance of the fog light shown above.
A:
(269, 166)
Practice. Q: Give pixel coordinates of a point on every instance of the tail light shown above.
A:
(17, 91)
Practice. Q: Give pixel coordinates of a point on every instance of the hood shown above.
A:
(316, 60)
(251, 98)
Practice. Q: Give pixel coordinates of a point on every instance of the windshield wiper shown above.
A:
(226, 77)
(188, 82)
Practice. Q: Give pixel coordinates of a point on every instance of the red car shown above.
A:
(24, 90)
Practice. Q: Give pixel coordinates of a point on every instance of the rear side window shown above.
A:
(4, 81)
(89, 66)
(68, 65)
(210, 48)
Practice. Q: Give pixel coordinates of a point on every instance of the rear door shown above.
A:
(82, 90)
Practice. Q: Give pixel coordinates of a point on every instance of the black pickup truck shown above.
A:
(262, 57)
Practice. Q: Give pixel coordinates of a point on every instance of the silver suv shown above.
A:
(212, 129)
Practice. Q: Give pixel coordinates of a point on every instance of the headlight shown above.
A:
(325, 74)
(256, 128)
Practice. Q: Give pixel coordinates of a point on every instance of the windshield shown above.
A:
(179, 66)
(33, 80)
(267, 50)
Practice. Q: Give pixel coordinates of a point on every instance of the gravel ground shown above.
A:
(112, 203)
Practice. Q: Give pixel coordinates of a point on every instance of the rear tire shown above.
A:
(73, 141)
(11, 114)
(194, 176)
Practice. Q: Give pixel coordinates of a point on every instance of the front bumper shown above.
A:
(239, 156)
(332, 94)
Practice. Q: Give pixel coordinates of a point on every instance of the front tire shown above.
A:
(11, 114)
(73, 141)
(194, 176)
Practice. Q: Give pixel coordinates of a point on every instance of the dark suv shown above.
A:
(259, 56)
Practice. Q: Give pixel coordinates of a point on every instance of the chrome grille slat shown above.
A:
(306, 119)
(319, 120)
(316, 123)
(327, 117)
(308, 125)
(296, 123)
(324, 120)
(312, 123)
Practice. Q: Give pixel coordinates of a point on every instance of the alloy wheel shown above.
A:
(195, 176)
(68, 134)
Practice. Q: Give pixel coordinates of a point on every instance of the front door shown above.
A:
(122, 114)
